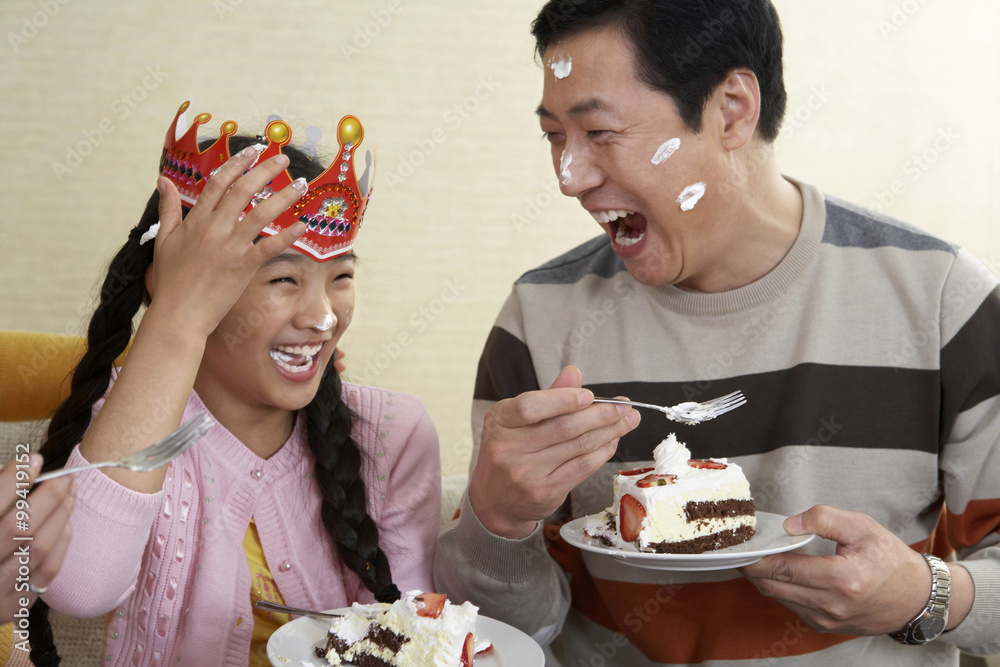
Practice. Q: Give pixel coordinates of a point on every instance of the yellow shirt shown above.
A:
(262, 587)
(9, 656)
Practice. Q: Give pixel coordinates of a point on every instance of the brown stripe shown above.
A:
(728, 620)
(970, 362)
(813, 404)
(511, 372)
(980, 518)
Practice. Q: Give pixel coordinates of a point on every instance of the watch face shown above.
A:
(928, 628)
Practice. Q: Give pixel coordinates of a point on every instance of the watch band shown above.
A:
(931, 622)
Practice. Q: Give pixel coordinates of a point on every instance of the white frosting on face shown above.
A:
(564, 162)
(560, 66)
(690, 196)
(665, 150)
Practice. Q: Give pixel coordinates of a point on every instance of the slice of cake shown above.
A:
(419, 629)
(679, 505)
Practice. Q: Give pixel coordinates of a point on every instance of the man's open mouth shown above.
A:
(625, 227)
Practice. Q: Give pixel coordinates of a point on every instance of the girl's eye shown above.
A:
(283, 279)
(344, 276)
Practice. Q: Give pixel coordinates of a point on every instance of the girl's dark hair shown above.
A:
(338, 459)
(683, 48)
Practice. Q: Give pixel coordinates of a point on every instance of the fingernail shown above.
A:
(793, 524)
(622, 409)
(35, 462)
(298, 228)
(585, 397)
(160, 185)
(248, 151)
(281, 160)
(633, 418)
(300, 185)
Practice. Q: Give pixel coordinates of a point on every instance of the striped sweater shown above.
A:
(871, 364)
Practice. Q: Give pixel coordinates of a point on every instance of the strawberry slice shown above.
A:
(430, 604)
(637, 471)
(706, 464)
(631, 514)
(656, 480)
(469, 652)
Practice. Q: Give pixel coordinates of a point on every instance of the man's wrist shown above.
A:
(933, 618)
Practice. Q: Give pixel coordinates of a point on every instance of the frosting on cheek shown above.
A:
(665, 150)
(690, 196)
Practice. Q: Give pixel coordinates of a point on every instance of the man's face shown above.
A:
(622, 149)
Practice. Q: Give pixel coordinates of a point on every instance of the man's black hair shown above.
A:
(684, 48)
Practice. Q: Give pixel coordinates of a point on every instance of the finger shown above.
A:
(565, 438)
(573, 471)
(784, 572)
(235, 202)
(338, 360)
(220, 183)
(272, 246)
(534, 407)
(569, 376)
(847, 529)
(47, 498)
(49, 545)
(169, 208)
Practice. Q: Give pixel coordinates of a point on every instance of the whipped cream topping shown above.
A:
(671, 457)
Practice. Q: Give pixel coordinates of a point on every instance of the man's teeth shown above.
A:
(612, 215)
(622, 239)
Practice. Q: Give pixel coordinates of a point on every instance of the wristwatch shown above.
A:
(930, 623)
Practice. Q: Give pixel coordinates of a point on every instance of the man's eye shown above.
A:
(598, 134)
(554, 137)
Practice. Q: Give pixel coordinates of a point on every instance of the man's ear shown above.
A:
(736, 104)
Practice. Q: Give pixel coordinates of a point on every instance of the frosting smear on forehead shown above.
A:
(561, 66)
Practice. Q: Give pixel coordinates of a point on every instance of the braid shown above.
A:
(108, 335)
(338, 474)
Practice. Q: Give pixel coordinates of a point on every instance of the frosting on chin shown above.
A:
(671, 457)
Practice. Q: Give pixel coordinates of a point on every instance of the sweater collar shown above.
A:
(803, 251)
(228, 451)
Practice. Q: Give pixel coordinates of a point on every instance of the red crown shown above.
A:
(332, 207)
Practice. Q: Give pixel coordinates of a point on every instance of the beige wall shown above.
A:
(464, 193)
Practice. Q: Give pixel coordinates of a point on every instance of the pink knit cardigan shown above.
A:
(171, 565)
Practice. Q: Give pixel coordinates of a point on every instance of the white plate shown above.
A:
(291, 645)
(771, 538)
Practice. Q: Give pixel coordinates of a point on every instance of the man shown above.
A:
(866, 349)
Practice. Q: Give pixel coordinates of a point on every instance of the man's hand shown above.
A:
(537, 447)
(874, 584)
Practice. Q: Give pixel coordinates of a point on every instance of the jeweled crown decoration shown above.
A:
(333, 206)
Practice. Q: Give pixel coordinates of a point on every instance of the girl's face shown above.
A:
(271, 350)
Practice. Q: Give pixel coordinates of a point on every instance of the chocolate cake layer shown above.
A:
(720, 540)
(719, 510)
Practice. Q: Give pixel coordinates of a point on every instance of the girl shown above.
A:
(306, 491)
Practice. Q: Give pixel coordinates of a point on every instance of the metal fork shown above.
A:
(690, 412)
(160, 452)
(267, 605)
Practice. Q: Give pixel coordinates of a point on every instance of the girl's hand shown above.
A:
(203, 262)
